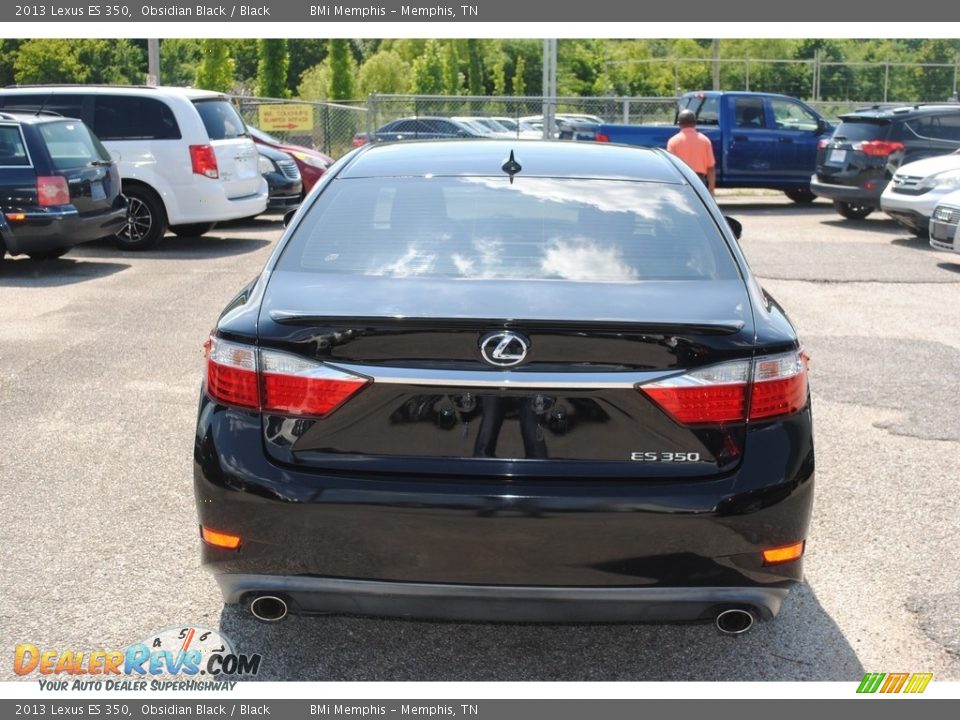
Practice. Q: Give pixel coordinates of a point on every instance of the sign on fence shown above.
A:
(285, 116)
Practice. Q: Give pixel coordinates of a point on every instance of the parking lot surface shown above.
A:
(100, 364)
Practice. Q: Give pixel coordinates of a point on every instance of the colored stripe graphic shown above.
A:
(871, 682)
(894, 682)
(918, 682)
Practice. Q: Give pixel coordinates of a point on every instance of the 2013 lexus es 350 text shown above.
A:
(506, 381)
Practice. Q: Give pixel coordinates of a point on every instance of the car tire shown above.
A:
(192, 230)
(52, 254)
(800, 195)
(146, 220)
(852, 210)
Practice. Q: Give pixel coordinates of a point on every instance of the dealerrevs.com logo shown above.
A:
(176, 658)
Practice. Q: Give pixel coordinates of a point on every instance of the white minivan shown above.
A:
(185, 157)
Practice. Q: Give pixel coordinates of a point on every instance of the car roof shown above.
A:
(192, 93)
(537, 158)
(887, 112)
(33, 118)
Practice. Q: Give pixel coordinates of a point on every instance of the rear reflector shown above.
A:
(775, 386)
(786, 553)
(52, 190)
(203, 160)
(275, 382)
(219, 539)
(601, 137)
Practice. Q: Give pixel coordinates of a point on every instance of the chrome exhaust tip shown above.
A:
(268, 608)
(734, 621)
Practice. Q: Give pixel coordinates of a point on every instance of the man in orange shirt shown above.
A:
(694, 149)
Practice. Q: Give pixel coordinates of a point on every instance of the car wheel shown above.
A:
(146, 220)
(192, 230)
(800, 195)
(852, 210)
(51, 254)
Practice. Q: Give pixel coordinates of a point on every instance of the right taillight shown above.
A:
(878, 148)
(275, 382)
(52, 190)
(735, 391)
(203, 160)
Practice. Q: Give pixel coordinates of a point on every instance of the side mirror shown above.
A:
(288, 215)
(735, 226)
(822, 126)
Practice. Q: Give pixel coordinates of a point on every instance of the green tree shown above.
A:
(8, 53)
(216, 68)
(179, 58)
(519, 84)
(452, 77)
(428, 70)
(272, 68)
(48, 60)
(384, 72)
(304, 53)
(341, 66)
(315, 83)
(474, 67)
(246, 57)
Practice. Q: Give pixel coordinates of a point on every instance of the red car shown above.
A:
(312, 164)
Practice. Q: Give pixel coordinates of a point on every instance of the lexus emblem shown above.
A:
(503, 348)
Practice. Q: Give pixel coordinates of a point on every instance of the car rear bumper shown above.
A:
(40, 230)
(848, 193)
(304, 531)
(207, 201)
(486, 603)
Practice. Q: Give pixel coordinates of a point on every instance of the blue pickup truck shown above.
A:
(760, 140)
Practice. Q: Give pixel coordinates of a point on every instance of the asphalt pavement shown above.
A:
(100, 364)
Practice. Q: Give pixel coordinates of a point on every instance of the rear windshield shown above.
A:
(220, 119)
(12, 151)
(857, 130)
(71, 145)
(488, 228)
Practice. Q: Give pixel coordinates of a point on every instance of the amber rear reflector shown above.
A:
(15, 217)
(783, 554)
(219, 539)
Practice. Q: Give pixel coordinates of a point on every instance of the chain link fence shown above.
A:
(384, 108)
(327, 127)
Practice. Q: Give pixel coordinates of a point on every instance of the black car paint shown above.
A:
(504, 522)
(44, 228)
(284, 191)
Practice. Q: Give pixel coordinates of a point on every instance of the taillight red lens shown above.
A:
(717, 394)
(602, 137)
(822, 143)
(295, 386)
(276, 382)
(203, 160)
(358, 141)
(232, 373)
(879, 148)
(52, 190)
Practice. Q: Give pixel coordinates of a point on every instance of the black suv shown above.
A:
(856, 163)
(58, 186)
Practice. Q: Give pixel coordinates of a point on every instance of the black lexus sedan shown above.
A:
(506, 381)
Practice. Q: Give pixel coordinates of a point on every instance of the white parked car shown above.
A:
(185, 158)
(945, 223)
(917, 188)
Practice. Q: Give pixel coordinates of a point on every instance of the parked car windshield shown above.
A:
(489, 228)
(220, 119)
(71, 145)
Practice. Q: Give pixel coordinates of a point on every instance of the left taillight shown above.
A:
(52, 190)
(736, 391)
(275, 382)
